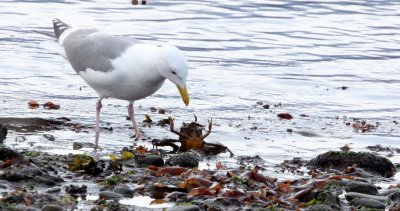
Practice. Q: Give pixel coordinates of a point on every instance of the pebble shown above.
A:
(52, 207)
(109, 195)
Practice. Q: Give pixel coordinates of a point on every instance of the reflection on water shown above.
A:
(240, 52)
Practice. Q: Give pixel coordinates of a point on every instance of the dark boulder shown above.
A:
(340, 160)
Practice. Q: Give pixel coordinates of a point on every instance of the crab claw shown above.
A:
(171, 123)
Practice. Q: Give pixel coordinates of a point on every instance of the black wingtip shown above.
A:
(59, 27)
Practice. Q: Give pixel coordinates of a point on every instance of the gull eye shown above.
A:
(173, 72)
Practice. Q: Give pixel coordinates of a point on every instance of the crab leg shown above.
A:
(171, 123)
(209, 129)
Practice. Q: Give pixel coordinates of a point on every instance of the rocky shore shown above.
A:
(335, 180)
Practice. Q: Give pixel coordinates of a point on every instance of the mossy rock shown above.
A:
(368, 161)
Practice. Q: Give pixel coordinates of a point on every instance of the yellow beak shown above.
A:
(184, 94)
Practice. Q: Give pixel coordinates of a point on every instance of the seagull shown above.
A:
(120, 67)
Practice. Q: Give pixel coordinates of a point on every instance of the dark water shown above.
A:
(298, 53)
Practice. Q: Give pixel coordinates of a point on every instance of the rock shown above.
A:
(370, 203)
(49, 137)
(177, 196)
(185, 159)
(148, 160)
(361, 187)
(285, 116)
(390, 192)
(111, 205)
(32, 124)
(394, 206)
(53, 190)
(52, 207)
(126, 192)
(368, 161)
(7, 153)
(78, 145)
(320, 207)
(13, 176)
(394, 196)
(306, 195)
(329, 198)
(12, 199)
(48, 179)
(109, 195)
(31, 171)
(3, 133)
(360, 173)
(350, 196)
(74, 190)
(184, 208)
(23, 207)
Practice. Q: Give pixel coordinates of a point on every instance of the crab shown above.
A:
(190, 138)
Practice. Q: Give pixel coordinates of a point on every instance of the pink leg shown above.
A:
(97, 130)
(138, 134)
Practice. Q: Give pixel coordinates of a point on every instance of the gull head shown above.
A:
(174, 67)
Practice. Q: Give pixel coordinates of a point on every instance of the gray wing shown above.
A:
(88, 48)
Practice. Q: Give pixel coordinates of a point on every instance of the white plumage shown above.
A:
(120, 67)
